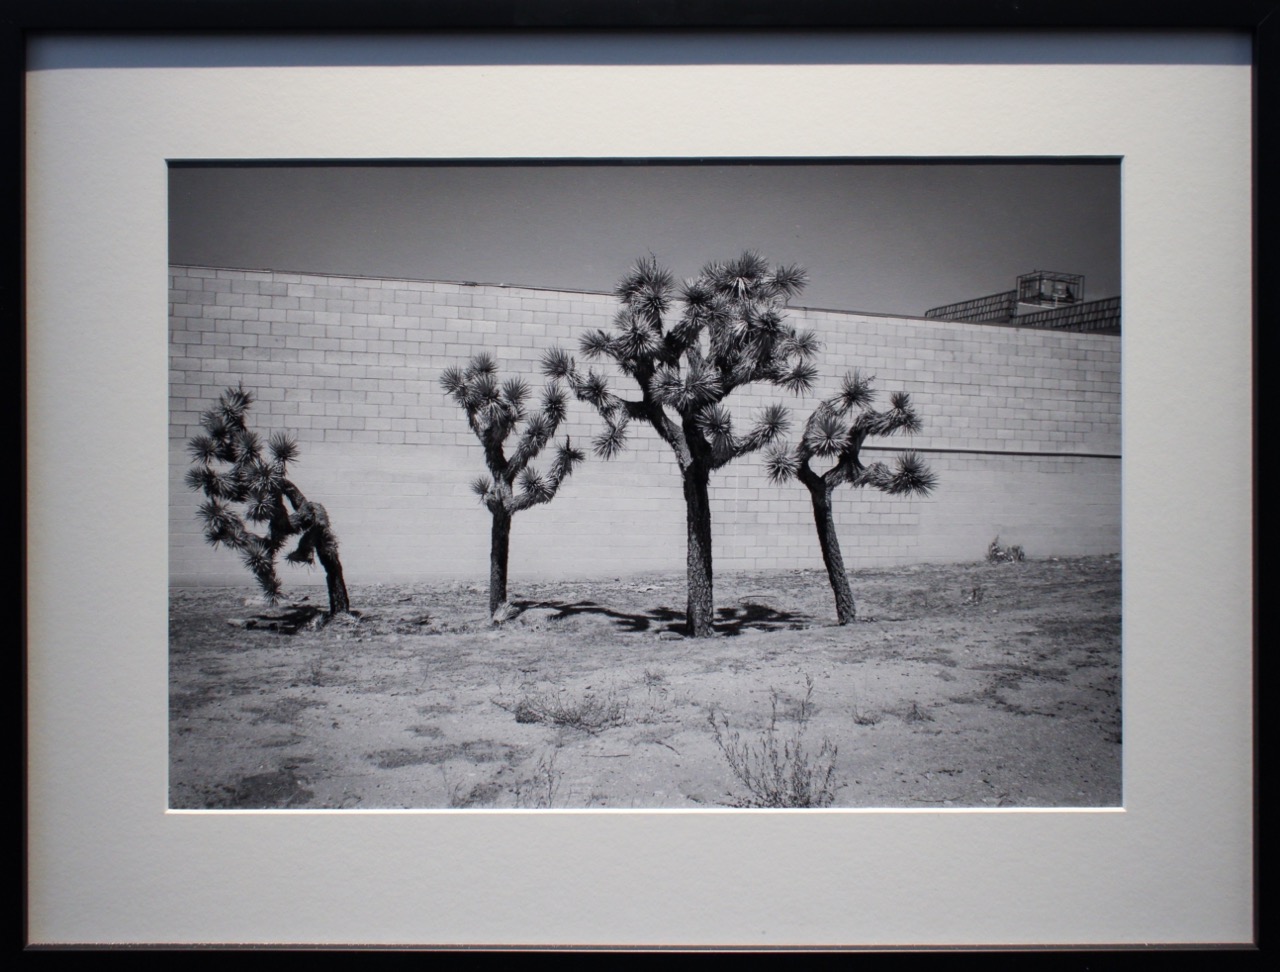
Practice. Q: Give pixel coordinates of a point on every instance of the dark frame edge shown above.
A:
(1260, 18)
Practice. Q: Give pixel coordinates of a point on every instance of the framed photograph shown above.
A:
(207, 213)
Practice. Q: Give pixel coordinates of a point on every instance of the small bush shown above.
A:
(538, 792)
(590, 713)
(916, 714)
(998, 554)
(780, 772)
(654, 677)
(656, 691)
(478, 795)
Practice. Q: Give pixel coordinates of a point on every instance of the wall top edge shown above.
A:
(799, 308)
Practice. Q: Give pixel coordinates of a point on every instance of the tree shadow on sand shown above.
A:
(729, 622)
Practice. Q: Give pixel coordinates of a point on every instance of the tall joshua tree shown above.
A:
(494, 411)
(835, 431)
(242, 484)
(687, 348)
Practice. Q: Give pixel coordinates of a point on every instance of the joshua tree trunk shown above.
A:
(701, 604)
(312, 521)
(499, 547)
(339, 603)
(829, 541)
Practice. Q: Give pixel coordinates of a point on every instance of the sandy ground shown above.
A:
(967, 685)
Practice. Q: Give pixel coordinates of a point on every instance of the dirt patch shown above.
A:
(966, 685)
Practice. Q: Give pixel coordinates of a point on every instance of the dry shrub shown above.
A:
(998, 554)
(589, 712)
(779, 771)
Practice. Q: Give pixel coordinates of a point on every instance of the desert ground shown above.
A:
(975, 685)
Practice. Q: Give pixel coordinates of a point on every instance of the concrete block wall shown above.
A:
(1023, 428)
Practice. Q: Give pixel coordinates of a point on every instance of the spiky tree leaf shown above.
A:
(482, 365)
(800, 378)
(826, 434)
(216, 426)
(262, 564)
(555, 403)
(233, 405)
(904, 417)
(454, 381)
(483, 392)
(596, 344)
(557, 363)
(536, 488)
(221, 525)
(789, 280)
(780, 463)
(260, 509)
(740, 277)
(716, 424)
(877, 475)
(855, 391)
(538, 428)
(912, 477)
(698, 295)
(202, 448)
(772, 422)
(261, 476)
(638, 341)
(801, 344)
(594, 389)
(901, 417)
(567, 459)
(248, 446)
(515, 391)
(481, 486)
(667, 385)
(612, 440)
(765, 328)
(284, 448)
(646, 288)
(201, 479)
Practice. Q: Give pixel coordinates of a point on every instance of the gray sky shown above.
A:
(883, 238)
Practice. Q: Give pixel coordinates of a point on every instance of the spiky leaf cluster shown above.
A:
(496, 410)
(244, 483)
(688, 348)
(836, 431)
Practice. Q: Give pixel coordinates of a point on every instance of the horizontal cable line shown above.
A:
(995, 452)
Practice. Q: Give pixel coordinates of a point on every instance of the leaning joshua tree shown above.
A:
(494, 410)
(727, 329)
(241, 484)
(835, 431)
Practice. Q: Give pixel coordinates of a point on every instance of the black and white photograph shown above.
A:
(645, 484)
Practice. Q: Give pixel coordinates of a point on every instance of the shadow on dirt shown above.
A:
(632, 623)
(730, 622)
(758, 617)
(285, 621)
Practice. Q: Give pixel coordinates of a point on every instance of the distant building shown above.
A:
(1042, 299)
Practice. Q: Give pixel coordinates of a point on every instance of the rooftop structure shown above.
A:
(1043, 299)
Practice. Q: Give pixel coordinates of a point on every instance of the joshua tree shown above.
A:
(836, 430)
(729, 331)
(494, 410)
(230, 469)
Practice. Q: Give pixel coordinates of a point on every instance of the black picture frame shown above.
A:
(1256, 19)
